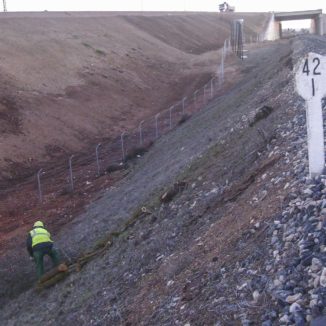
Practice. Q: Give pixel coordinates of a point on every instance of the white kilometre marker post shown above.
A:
(311, 85)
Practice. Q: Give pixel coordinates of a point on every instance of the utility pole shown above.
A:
(4, 5)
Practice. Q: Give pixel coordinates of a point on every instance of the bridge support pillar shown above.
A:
(317, 25)
(273, 30)
(313, 26)
(278, 30)
(320, 25)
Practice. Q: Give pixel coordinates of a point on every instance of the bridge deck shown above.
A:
(297, 15)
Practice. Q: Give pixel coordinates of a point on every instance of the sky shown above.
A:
(162, 5)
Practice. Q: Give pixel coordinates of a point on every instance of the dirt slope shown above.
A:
(60, 71)
(136, 273)
(68, 79)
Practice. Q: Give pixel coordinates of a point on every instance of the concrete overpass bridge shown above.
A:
(274, 30)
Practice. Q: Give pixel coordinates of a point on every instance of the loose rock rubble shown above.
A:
(294, 272)
(298, 247)
(293, 275)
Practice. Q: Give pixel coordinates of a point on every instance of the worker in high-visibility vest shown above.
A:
(39, 244)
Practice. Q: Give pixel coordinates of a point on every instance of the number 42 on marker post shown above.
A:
(311, 86)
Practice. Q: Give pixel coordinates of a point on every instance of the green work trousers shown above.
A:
(38, 257)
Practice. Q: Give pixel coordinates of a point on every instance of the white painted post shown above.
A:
(311, 85)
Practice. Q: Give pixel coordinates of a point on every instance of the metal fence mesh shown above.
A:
(79, 171)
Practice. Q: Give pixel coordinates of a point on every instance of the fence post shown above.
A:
(40, 195)
(141, 140)
(156, 125)
(123, 146)
(195, 98)
(97, 158)
(220, 76)
(212, 90)
(70, 173)
(183, 105)
(170, 109)
(204, 94)
(222, 69)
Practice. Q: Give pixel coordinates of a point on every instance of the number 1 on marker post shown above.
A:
(311, 85)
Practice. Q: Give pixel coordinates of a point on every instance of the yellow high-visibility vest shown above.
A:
(40, 235)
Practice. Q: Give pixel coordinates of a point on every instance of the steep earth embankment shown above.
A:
(52, 88)
(219, 252)
(68, 79)
(153, 172)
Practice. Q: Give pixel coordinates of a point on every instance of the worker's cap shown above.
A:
(38, 224)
